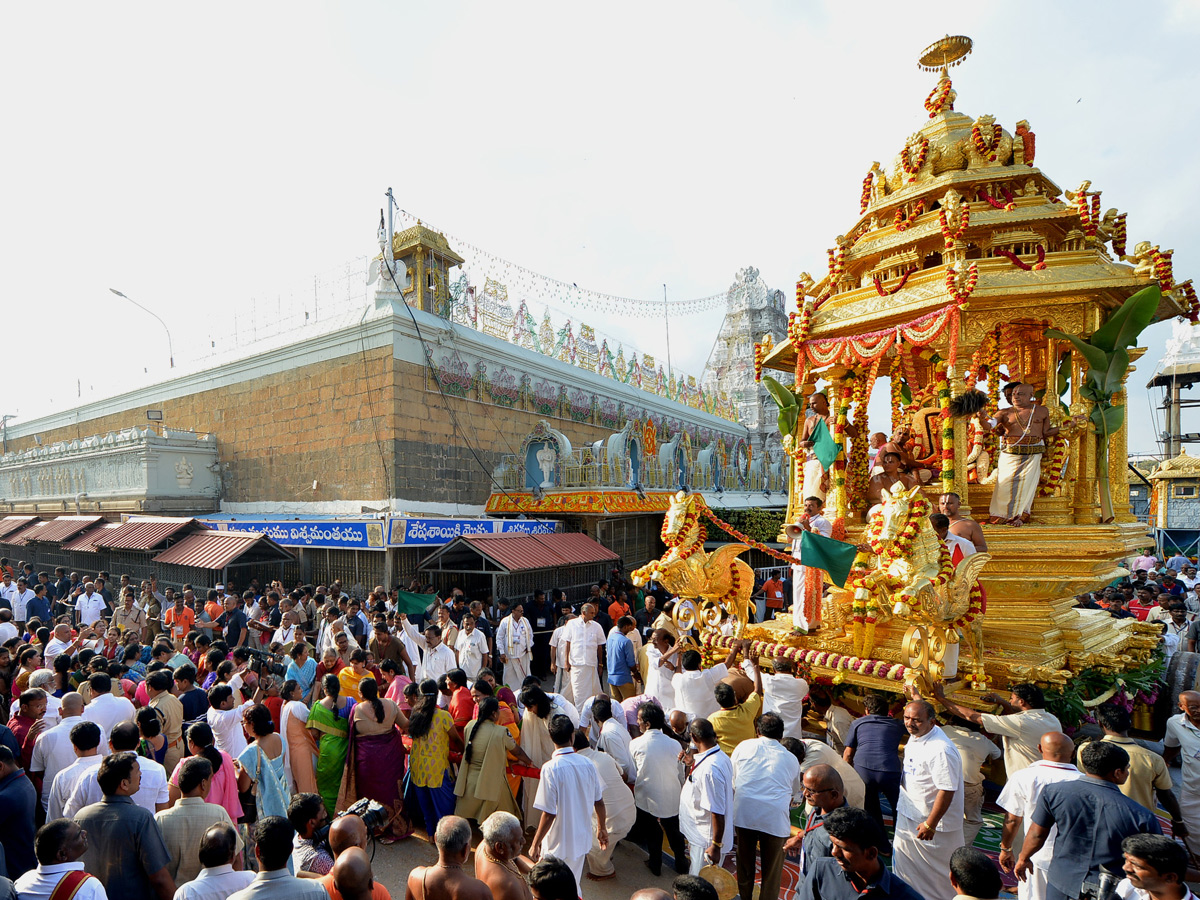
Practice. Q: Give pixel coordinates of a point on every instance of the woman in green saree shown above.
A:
(329, 722)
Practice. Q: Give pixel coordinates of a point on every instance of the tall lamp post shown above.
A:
(170, 348)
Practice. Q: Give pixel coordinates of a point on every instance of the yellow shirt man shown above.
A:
(737, 724)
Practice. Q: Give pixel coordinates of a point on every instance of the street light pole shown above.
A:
(170, 348)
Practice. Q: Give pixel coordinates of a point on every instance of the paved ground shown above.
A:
(392, 865)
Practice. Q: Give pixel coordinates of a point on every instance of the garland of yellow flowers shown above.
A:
(897, 398)
(913, 166)
(1190, 300)
(962, 294)
(761, 350)
(977, 140)
(1053, 463)
(904, 221)
(1119, 233)
(937, 98)
(1089, 219)
(703, 510)
(859, 462)
(1164, 269)
(842, 399)
(865, 200)
(954, 234)
(837, 262)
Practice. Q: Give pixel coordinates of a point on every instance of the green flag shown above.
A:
(835, 557)
(823, 445)
(413, 604)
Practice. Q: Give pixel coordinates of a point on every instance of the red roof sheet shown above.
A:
(146, 533)
(217, 549)
(525, 552)
(9, 524)
(86, 542)
(59, 530)
(20, 537)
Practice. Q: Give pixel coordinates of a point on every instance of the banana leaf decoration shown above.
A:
(789, 406)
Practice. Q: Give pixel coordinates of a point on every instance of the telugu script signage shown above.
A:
(436, 532)
(369, 535)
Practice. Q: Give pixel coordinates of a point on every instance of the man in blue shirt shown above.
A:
(622, 660)
(1093, 818)
(854, 872)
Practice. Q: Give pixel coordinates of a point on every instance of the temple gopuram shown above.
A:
(998, 313)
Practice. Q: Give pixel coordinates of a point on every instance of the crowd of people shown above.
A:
(200, 745)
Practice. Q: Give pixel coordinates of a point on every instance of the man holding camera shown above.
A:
(308, 816)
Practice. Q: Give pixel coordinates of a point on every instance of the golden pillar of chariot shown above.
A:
(965, 271)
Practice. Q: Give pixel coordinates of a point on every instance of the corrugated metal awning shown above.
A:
(217, 549)
(9, 524)
(521, 552)
(86, 542)
(146, 533)
(57, 531)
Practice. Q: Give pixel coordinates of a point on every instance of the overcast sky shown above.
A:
(211, 161)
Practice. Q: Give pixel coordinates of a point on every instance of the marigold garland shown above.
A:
(840, 663)
(952, 234)
(1053, 468)
(1016, 260)
(1029, 140)
(1119, 230)
(703, 510)
(1009, 203)
(841, 404)
(1190, 301)
(868, 184)
(902, 220)
(760, 354)
(962, 294)
(879, 288)
(988, 153)
(1089, 218)
(837, 262)
(1164, 269)
(911, 165)
(936, 101)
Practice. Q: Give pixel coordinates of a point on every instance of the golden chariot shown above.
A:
(961, 258)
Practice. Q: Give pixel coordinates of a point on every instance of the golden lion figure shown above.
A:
(716, 583)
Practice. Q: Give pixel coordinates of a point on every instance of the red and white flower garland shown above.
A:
(951, 234)
(988, 153)
(912, 165)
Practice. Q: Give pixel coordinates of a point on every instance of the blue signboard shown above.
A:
(436, 532)
(340, 535)
(401, 531)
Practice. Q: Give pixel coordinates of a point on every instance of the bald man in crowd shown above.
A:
(347, 833)
(352, 875)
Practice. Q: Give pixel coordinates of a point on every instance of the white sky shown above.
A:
(197, 158)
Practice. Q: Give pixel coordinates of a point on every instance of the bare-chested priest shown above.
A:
(498, 860)
(968, 529)
(816, 477)
(892, 477)
(446, 880)
(1023, 429)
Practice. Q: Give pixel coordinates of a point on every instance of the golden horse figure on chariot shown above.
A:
(997, 315)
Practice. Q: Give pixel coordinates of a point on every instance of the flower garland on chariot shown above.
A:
(988, 152)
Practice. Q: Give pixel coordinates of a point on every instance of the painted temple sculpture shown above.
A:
(999, 313)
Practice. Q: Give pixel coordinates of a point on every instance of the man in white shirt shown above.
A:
(152, 794)
(217, 880)
(558, 660)
(437, 659)
(22, 595)
(783, 693)
(224, 717)
(568, 790)
(53, 750)
(588, 721)
(8, 630)
(1183, 740)
(585, 646)
(514, 646)
(90, 605)
(1023, 720)
(657, 787)
(614, 736)
(1019, 799)
(619, 811)
(766, 784)
(659, 669)
(106, 709)
(85, 742)
(472, 647)
(59, 845)
(1155, 869)
(975, 750)
(8, 587)
(929, 817)
(694, 686)
(706, 801)
(62, 642)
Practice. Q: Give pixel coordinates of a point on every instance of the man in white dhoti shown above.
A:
(808, 586)
(619, 811)
(1023, 429)
(929, 817)
(567, 792)
(1019, 799)
(514, 645)
(585, 643)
